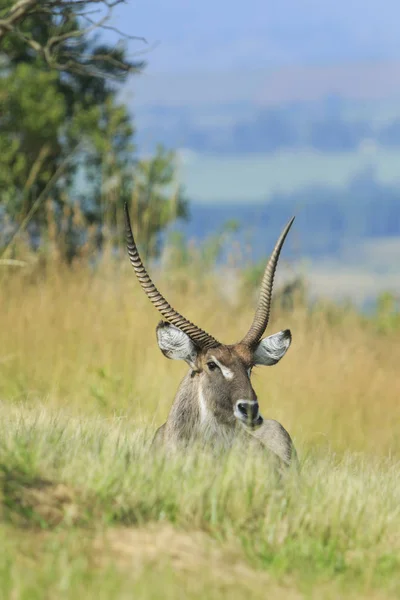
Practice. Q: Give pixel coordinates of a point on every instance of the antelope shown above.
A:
(216, 402)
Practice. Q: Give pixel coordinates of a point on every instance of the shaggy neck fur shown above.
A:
(191, 418)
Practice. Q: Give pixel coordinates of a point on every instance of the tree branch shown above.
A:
(15, 14)
(57, 49)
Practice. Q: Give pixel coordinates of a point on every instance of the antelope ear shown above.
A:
(176, 344)
(272, 348)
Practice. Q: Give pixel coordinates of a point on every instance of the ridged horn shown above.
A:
(261, 316)
(197, 335)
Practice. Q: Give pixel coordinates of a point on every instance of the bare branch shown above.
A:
(126, 36)
(57, 50)
(16, 13)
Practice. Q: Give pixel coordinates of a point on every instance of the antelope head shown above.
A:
(222, 372)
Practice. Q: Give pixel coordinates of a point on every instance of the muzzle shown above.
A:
(248, 413)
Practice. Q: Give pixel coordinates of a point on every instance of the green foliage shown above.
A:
(387, 313)
(66, 151)
(156, 199)
(34, 111)
(47, 114)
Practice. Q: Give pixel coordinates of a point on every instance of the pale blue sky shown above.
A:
(221, 34)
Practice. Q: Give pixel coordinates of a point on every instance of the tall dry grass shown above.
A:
(85, 342)
(87, 511)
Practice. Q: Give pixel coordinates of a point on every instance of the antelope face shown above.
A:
(225, 392)
(226, 389)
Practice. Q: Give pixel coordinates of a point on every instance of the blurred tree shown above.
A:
(156, 199)
(61, 119)
(387, 312)
(57, 92)
(59, 32)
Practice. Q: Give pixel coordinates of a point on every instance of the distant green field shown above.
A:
(255, 177)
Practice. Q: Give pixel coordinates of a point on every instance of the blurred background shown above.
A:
(216, 122)
(222, 119)
(281, 108)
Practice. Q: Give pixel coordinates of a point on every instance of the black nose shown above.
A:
(248, 410)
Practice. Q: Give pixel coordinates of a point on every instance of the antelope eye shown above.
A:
(212, 366)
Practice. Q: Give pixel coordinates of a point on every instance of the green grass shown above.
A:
(88, 510)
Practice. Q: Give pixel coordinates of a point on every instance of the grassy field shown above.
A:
(87, 511)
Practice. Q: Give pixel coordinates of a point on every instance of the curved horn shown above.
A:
(261, 316)
(197, 335)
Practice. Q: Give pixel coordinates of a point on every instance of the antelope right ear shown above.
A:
(272, 348)
(176, 344)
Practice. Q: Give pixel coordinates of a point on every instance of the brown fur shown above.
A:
(203, 409)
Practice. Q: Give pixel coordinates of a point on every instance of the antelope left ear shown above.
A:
(272, 348)
(176, 344)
